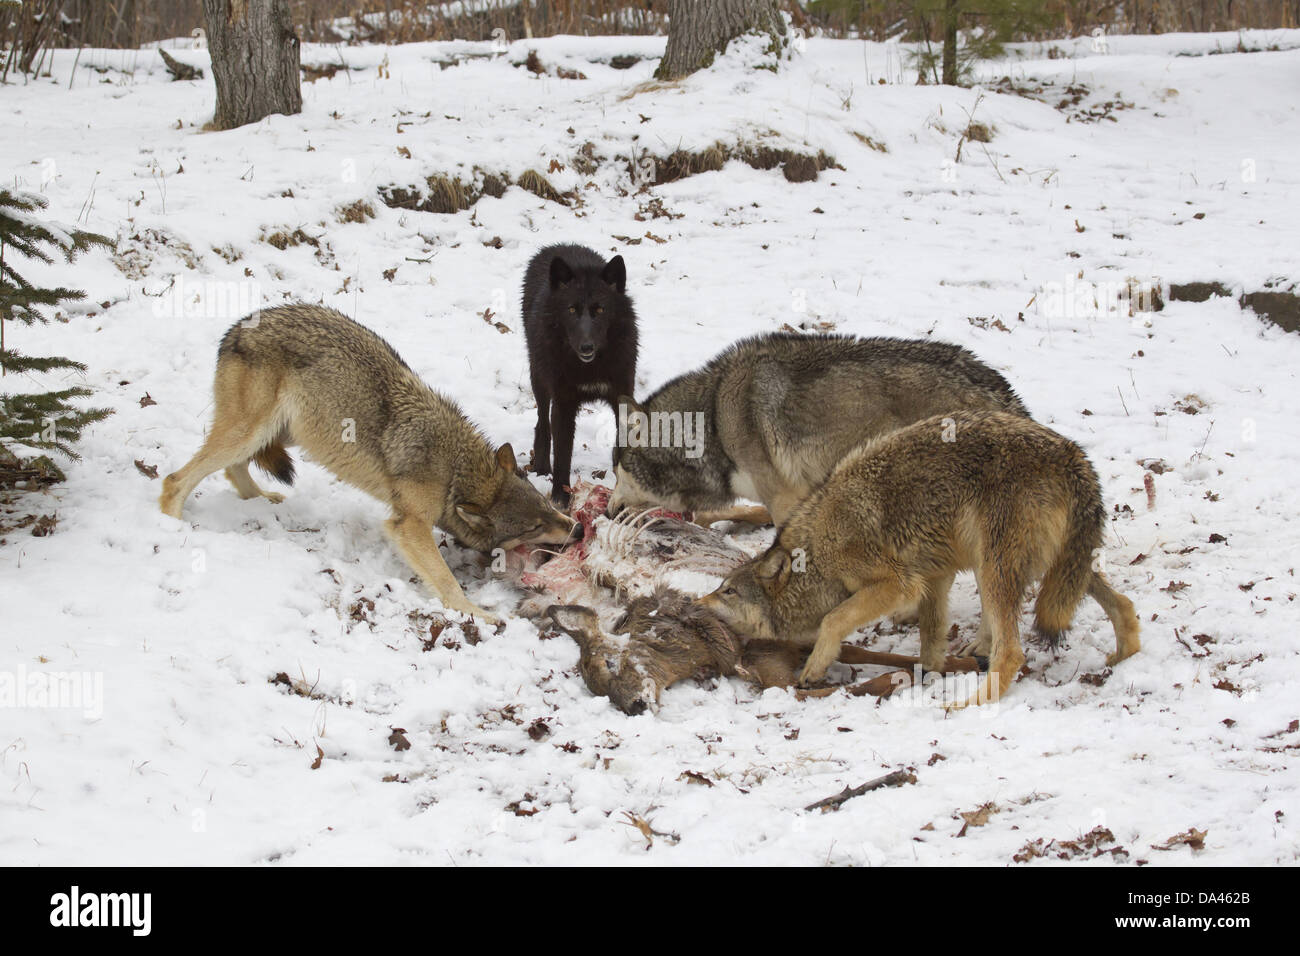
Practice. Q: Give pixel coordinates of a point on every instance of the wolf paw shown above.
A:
(813, 671)
(273, 496)
(978, 646)
(483, 615)
(1116, 657)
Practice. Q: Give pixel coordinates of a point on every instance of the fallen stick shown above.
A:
(885, 684)
(895, 779)
(851, 654)
(879, 686)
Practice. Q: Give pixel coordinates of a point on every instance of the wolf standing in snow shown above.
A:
(310, 376)
(769, 417)
(990, 492)
(582, 343)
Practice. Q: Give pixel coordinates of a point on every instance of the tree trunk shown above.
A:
(254, 60)
(950, 43)
(700, 29)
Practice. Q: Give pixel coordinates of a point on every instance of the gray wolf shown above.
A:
(309, 376)
(985, 491)
(771, 416)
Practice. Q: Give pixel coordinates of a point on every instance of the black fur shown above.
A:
(276, 461)
(575, 302)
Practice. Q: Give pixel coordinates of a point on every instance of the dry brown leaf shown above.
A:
(1193, 838)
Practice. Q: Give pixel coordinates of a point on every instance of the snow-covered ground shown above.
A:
(193, 755)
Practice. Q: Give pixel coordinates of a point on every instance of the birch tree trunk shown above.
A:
(254, 60)
(700, 29)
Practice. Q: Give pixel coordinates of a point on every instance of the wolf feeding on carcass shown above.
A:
(638, 633)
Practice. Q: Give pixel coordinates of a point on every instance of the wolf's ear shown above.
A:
(615, 273)
(473, 517)
(561, 274)
(506, 458)
(773, 569)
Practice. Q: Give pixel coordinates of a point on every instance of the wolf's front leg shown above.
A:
(542, 436)
(414, 539)
(933, 615)
(981, 645)
(872, 602)
(564, 414)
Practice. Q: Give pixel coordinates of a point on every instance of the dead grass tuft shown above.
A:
(359, 211)
(539, 185)
(870, 142)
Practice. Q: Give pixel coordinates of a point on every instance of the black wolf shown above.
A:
(581, 334)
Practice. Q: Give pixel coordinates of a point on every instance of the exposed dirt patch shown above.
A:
(450, 194)
(1197, 291)
(311, 72)
(1278, 305)
(534, 64)
(797, 167)
(1280, 308)
(625, 61)
(1072, 99)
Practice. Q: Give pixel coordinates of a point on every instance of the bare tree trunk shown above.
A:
(254, 60)
(950, 43)
(700, 29)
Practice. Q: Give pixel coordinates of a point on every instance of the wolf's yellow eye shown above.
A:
(573, 309)
(596, 310)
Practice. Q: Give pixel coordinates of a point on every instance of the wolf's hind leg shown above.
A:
(229, 445)
(244, 420)
(1123, 618)
(1000, 591)
(247, 487)
(1005, 660)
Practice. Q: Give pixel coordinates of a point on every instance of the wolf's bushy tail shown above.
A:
(1071, 574)
(276, 461)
